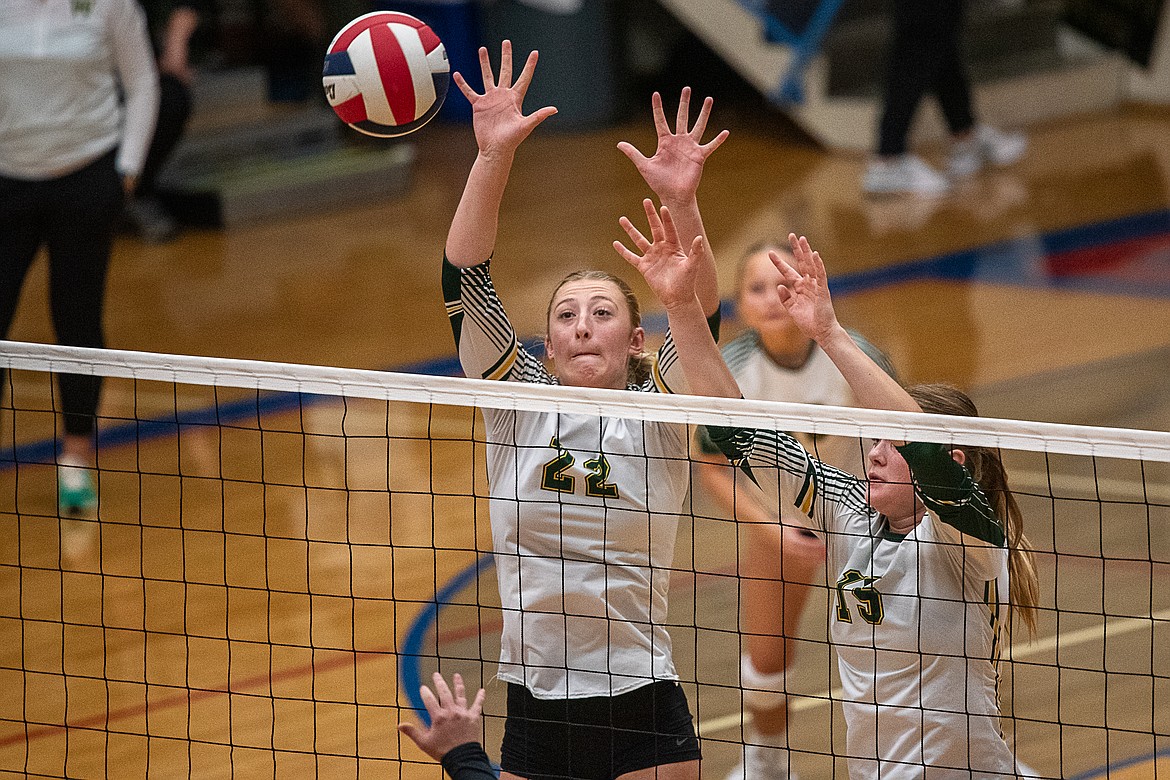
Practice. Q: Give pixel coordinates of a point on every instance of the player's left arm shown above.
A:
(947, 488)
(671, 273)
(674, 172)
(134, 61)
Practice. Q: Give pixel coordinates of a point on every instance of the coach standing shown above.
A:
(78, 99)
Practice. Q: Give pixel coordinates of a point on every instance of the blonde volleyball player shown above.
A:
(584, 509)
(779, 563)
(928, 560)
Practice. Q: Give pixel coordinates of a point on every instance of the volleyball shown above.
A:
(386, 74)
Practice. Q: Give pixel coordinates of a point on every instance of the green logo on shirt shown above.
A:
(869, 600)
(82, 7)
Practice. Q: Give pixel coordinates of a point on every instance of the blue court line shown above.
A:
(409, 672)
(1135, 761)
(1004, 262)
(958, 266)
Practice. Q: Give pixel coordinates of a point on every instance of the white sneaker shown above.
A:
(762, 762)
(985, 145)
(75, 490)
(906, 174)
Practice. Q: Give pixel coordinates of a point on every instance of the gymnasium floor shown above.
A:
(1043, 289)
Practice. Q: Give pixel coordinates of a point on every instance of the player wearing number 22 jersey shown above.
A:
(918, 620)
(584, 514)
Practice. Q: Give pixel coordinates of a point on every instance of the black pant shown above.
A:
(174, 109)
(599, 737)
(73, 216)
(926, 57)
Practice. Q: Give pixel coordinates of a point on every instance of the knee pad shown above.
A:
(761, 691)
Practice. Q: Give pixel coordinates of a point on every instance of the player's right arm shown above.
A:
(783, 473)
(500, 127)
(484, 336)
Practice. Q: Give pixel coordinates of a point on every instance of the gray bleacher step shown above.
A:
(268, 189)
(287, 163)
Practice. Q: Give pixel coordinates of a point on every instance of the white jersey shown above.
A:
(584, 514)
(65, 66)
(816, 382)
(918, 622)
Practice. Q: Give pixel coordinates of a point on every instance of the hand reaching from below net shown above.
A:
(804, 290)
(668, 270)
(498, 114)
(677, 165)
(453, 721)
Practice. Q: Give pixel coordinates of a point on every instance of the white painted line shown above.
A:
(1018, 651)
(1066, 486)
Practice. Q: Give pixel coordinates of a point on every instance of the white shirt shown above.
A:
(918, 622)
(817, 381)
(584, 514)
(61, 63)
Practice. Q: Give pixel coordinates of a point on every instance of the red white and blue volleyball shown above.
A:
(386, 74)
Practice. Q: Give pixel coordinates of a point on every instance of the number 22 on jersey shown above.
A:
(557, 479)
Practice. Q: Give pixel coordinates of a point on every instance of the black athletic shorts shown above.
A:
(597, 738)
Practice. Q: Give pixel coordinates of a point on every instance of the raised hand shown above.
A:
(668, 270)
(453, 721)
(677, 165)
(804, 290)
(498, 114)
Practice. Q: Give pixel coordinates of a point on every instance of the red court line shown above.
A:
(262, 681)
(246, 685)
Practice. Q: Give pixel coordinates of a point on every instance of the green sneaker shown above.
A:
(75, 491)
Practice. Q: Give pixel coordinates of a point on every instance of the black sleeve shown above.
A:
(948, 489)
(468, 762)
(714, 322)
(735, 444)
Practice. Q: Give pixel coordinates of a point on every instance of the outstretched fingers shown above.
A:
(485, 69)
(789, 276)
(521, 85)
(714, 143)
(683, 117)
(660, 125)
(460, 691)
(668, 231)
(477, 705)
(444, 692)
(538, 116)
(505, 81)
(696, 248)
(639, 241)
(429, 701)
(630, 151)
(464, 87)
(809, 261)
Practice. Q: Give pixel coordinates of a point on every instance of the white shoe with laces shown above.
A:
(985, 145)
(762, 762)
(906, 174)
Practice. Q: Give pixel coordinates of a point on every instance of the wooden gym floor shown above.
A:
(223, 626)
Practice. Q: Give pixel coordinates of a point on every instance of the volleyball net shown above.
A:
(280, 554)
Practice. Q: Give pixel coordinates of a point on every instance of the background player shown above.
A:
(778, 564)
(922, 553)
